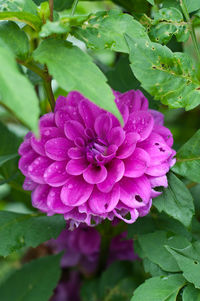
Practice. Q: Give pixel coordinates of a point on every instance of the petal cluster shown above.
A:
(88, 167)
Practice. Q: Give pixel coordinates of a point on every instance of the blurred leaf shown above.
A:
(18, 6)
(24, 17)
(121, 78)
(34, 281)
(89, 290)
(157, 253)
(19, 230)
(188, 263)
(166, 23)
(151, 2)
(191, 293)
(169, 77)
(6, 158)
(176, 200)
(106, 30)
(15, 38)
(159, 288)
(192, 5)
(58, 4)
(66, 63)
(152, 268)
(16, 92)
(188, 159)
(50, 28)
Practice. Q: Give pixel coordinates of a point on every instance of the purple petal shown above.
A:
(76, 191)
(135, 100)
(137, 163)
(57, 148)
(76, 153)
(101, 202)
(115, 170)
(158, 170)
(89, 112)
(165, 133)
(46, 134)
(128, 146)
(54, 201)
(26, 160)
(74, 98)
(37, 168)
(39, 197)
(73, 129)
(61, 116)
(134, 215)
(29, 184)
(140, 122)
(135, 192)
(95, 174)
(47, 120)
(61, 102)
(103, 125)
(25, 147)
(89, 240)
(159, 181)
(116, 136)
(55, 175)
(157, 149)
(158, 117)
(77, 166)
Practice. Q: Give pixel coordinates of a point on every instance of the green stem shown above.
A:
(33, 67)
(74, 7)
(193, 35)
(49, 92)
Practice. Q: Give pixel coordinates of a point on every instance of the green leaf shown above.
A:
(192, 5)
(56, 27)
(66, 63)
(153, 268)
(191, 293)
(169, 77)
(151, 2)
(19, 230)
(15, 38)
(106, 30)
(188, 159)
(176, 201)
(6, 158)
(58, 4)
(166, 23)
(16, 92)
(34, 281)
(157, 253)
(159, 288)
(24, 17)
(18, 5)
(89, 290)
(188, 263)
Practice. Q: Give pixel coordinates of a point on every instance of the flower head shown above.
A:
(88, 167)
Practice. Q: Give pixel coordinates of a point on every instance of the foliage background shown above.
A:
(125, 48)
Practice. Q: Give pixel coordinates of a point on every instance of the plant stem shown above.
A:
(74, 7)
(51, 10)
(49, 91)
(193, 35)
(33, 67)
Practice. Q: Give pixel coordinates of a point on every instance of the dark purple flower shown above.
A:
(88, 167)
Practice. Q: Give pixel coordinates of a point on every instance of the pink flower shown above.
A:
(88, 167)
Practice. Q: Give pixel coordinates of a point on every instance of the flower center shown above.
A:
(95, 149)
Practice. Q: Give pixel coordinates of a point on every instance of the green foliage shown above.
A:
(188, 159)
(176, 201)
(19, 230)
(159, 288)
(18, 5)
(192, 5)
(191, 293)
(13, 87)
(73, 62)
(169, 77)
(15, 38)
(106, 30)
(34, 281)
(166, 23)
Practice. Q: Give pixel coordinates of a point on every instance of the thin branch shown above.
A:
(51, 10)
(48, 89)
(33, 67)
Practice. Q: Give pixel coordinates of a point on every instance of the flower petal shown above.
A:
(115, 170)
(47, 120)
(76, 191)
(116, 136)
(158, 170)
(73, 129)
(26, 160)
(29, 184)
(57, 148)
(137, 163)
(39, 197)
(88, 112)
(55, 175)
(101, 202)
(76, 153)
(37, 168)
(140, 122)
(61, 116)
(128, 146)
(103, 125)
(76, 166)
(54, 201)
(95, 174)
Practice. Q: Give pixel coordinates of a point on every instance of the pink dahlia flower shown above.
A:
(88, 167)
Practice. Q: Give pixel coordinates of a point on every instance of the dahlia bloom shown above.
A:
(88, 167)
